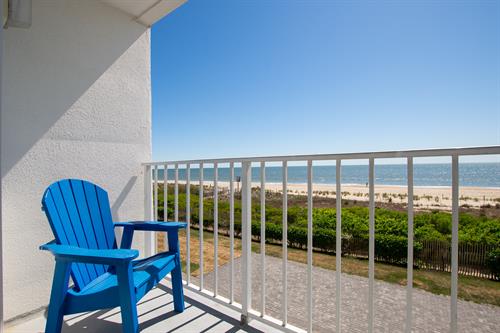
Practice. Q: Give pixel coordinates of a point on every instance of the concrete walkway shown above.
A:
(431, 312)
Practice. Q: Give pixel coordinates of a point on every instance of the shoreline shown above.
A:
(437, 187)
(225, 183)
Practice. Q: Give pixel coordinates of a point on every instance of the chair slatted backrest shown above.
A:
(79, 215)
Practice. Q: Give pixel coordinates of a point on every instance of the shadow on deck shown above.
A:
(156, 314)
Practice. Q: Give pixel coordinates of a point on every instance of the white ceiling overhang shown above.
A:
(145, 12)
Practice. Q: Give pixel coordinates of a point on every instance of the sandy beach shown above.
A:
(424, 197)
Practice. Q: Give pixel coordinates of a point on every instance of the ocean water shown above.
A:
(470, 174)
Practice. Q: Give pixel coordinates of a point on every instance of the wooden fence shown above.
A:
(472, 258)
(436, 255)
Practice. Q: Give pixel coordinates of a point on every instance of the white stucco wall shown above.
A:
(76, 102)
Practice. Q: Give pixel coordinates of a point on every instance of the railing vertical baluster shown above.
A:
(371, 246)
(188, 220)
(176, 194)
(284, 299)
(216, 229)
(309, 246)
(155, 207)
(338, 244)
(155, 214)
(165, 193)
(246, 249)
(454, 243)
(200, 224)
(231, 230)
(165, 203)
(262, 238)
(409, 264)
(149, 238)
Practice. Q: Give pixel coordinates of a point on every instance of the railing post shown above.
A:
(454, 243)
(371, 245)
(338, 244)
(262, 238)
(231, 231)
(149, 241)
(246, 239)
(284, 247)
(200, 223)
(309, 246)
(216, 230)
(188, 220)
(409, 263)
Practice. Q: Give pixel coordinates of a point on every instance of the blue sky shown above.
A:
(244, 78)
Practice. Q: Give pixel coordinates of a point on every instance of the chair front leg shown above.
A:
(127, 298)
(177, 288)
(58, 294)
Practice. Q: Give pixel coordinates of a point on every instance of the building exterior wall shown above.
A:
(1, 223)
(76, 103)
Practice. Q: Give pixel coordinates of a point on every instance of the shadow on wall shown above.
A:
(121, 198)
(48, 67)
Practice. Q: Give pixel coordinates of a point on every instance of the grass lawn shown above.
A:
(469, 288)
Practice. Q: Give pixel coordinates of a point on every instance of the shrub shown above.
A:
(256, 229)
(274, 232)
(324, 239)
(394, 248)
(297, 236)
(493, 262)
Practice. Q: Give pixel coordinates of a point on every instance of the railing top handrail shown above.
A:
(485, 150)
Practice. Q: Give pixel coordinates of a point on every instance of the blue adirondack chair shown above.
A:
(104, 276)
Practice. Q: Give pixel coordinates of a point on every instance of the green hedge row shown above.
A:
(323, 239)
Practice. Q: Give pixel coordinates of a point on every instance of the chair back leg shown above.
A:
(127, 299)
(58, 294)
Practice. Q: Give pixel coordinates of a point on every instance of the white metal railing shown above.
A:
(247, 312)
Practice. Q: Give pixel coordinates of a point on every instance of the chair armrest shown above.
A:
(152, 225)
(92, 256)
